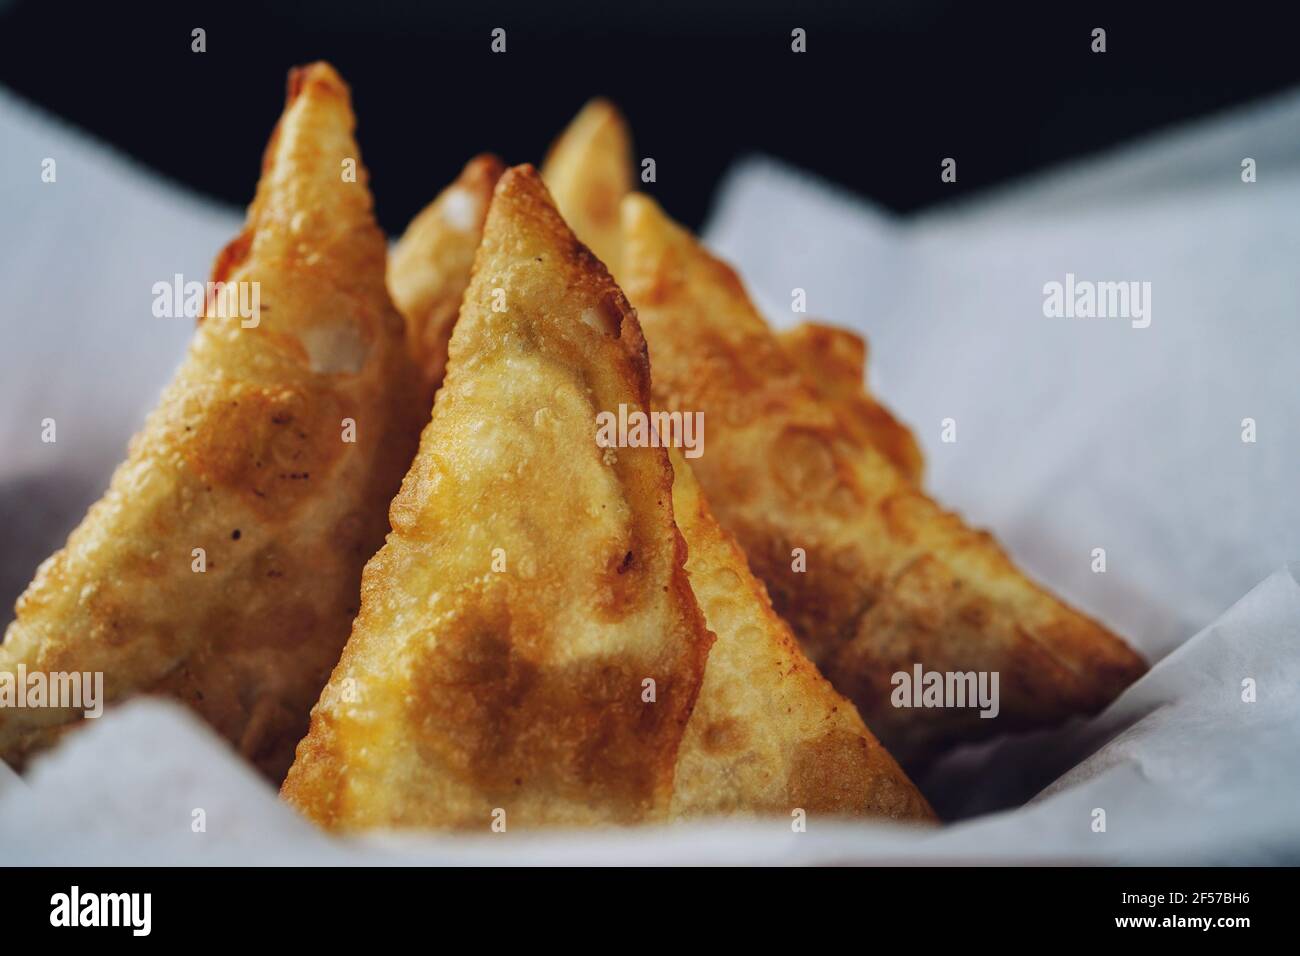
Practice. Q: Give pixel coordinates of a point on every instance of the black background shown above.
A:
(885, 91)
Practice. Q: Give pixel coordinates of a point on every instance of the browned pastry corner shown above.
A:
(589, 171)
(832, 362)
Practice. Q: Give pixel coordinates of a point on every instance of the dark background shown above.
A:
(885, 91)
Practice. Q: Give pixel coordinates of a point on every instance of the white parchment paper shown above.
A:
(1072, 434)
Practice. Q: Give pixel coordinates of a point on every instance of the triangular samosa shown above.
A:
(589, 171)
(832, 363)
(769, 734)
(222, 565)
(430, 265)
(876, 579)
(529, 649)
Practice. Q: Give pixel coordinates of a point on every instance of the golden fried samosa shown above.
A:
(832, 363)
(430, 265)
(875, 578)
(528, 649)
(222, 565)
(775, 737)
(769, 734)
(589, 171)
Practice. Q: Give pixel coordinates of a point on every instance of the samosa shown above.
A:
(528, 649)
(429, 268)
(874, 576)
(769, 735)
(222, 565)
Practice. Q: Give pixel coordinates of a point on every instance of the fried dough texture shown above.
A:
(589, 171)
(245, 458)
(533, 583)
(429, 268)
(769, 734)
(891, 580)
(832, 362)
